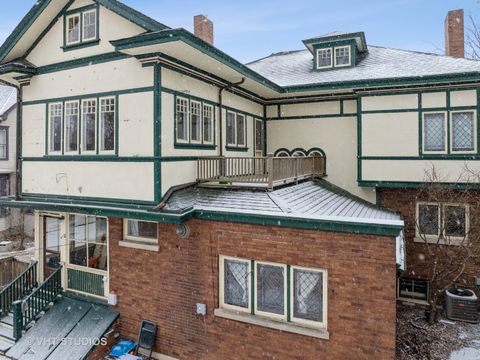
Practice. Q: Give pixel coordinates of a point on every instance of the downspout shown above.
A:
(220, 103)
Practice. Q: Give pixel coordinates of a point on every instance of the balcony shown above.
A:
(258, 172)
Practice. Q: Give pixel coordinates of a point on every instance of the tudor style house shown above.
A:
(235, 206)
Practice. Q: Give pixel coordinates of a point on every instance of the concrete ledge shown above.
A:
(140, 246)
(272, 324)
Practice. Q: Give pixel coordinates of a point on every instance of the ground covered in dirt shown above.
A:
(444, 340)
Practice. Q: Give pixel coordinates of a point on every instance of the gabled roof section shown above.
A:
(336, 36)
(45, 12)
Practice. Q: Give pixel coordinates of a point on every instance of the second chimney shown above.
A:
(203, 28)
(455, 34)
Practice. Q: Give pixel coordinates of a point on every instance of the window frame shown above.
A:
(445, 128)
(7, 142)
(100, 125)
(50, 128)
(83, 128)
(441, 238)
(66, 127)
(221, 284)
(244, 127)
(349, 56)
(139, 239)
(83, 13)
(199, 120)
(450, 118)
(267, 314)
(66, 29)
(186, 120)
(310, 323)
(331, 58)
(234, 127)
(211, 122)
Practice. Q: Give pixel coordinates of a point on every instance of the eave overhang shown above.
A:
(359, 38)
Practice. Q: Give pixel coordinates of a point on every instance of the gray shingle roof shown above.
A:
(8, 97)
(296, 67)
(308, 200)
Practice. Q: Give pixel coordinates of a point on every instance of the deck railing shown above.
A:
(27, 310)
(266, 171)
(22, 285)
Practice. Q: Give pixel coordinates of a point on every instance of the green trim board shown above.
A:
(416, 185)
(86, 200)
(107, 158)
(310, 117)
(351, 43)
(157, 130)
(141, 214)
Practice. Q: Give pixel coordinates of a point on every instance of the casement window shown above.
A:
(342, 56)
(463, 130)
(55, 125)
(413, 289)
(207, 123)
(182, 119)
(442, 223)
(261, 288)
(73, 29)
(89, 25)
(434, 132)
(107, 124)
(89, 125)
(3, 143)
(236, 129)
(324, 58)
(71, 126)
(81, 27)
(88, 241)
(195, 121)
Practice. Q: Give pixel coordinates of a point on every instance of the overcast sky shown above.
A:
(251, 29)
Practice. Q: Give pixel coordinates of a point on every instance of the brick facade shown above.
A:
(404, 202)
(203, 28)
(165, 286)
(455, 34)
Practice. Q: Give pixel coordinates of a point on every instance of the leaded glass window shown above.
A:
(463, 129)
(235, 282)
(270, 288)
(455, 221)
(434, 132)
(308, 295)
(428, 219)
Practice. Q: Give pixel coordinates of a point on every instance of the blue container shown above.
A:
(122, 347)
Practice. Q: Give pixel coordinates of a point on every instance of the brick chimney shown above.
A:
(203, 28)
(455, 34)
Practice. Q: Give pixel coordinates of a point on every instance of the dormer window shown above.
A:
(342, 56)
(324, 58)
(81, 27)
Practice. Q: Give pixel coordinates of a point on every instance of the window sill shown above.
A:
(81, 45)
(234, 148)
(195, 146)
(436, 241)
(138, 245)
(272, 324)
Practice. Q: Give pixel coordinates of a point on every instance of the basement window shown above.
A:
(413, 289)
(276, 292)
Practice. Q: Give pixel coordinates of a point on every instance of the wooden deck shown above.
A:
(257, 172)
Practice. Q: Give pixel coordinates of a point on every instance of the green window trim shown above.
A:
(332, 47)
(80, 13)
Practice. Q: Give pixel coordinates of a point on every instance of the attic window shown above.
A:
(73, 29)
(81, 27)
(324, 58)
(342, 56)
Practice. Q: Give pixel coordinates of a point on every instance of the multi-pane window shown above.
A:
(244, 283)
(324, 58)
(140, 231)
(107, 124)
(3, 143)
(55, 125)
(437, 222)
(89, 124)
(73, 29)
(88, 241)
(182, 119)
(71, 126)
(89, 25)
(342, 56)
(463, 131)
(195, 121)
(434, 131)
(236, 129)
(207, 123)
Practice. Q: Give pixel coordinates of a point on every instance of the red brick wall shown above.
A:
(455, 34)
(418, 264)
(203, 28)
(164, 287)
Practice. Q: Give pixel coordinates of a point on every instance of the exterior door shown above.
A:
(51, 244)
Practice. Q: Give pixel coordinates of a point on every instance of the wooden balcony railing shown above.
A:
(267, 172)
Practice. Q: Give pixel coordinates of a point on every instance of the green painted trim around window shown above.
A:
(415, 185)
(332, 45)
(426, 157)
(81, 44)
(252, 286)
(194, 146)
(310, 117)
(359, 138)
(157, 130)
(237, 149)
(288, 299)
(91, 95)
(108, 158)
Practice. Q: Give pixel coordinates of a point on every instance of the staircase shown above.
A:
(23, 301)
